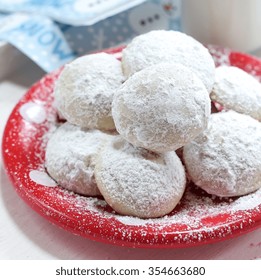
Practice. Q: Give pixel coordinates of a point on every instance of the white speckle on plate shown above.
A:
(42, 178)
(33, 112)
(127, 220)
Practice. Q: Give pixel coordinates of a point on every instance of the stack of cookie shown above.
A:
(126, 120)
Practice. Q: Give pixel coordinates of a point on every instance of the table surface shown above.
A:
(24, 235)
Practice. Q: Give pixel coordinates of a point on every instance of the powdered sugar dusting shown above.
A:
(225, 160)
(237, 90)
(84, 90)
(137, 182)
(224, 56)
(199, 216)
(197, 219)
(199, 206)
(157, 109)
(220, 55)
(165, 46)
(71, 155)
(247, 202)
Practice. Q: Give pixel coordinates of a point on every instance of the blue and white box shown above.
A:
(54, 32)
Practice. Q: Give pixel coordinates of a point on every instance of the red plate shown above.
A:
(198, 219)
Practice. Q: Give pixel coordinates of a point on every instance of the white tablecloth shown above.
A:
(24, 235)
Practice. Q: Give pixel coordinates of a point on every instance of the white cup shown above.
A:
(229, 23)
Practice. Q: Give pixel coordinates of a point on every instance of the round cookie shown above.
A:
(169, 46)
(225, 160)
(237, 90)
(84, 90)
(161, 108)
(71, 156)
(136, 182)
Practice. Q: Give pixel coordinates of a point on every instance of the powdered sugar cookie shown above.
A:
(169, 46)
(237, 90)
(161, 108)
(84, 90)
(137, 182)
(71, 156)
(225, 160)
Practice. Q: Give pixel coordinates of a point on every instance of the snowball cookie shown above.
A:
(83, 92)
(161, 108)
(71, 156)
(169, 46)
(136, 182)
(237, 90)
(225, 160)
